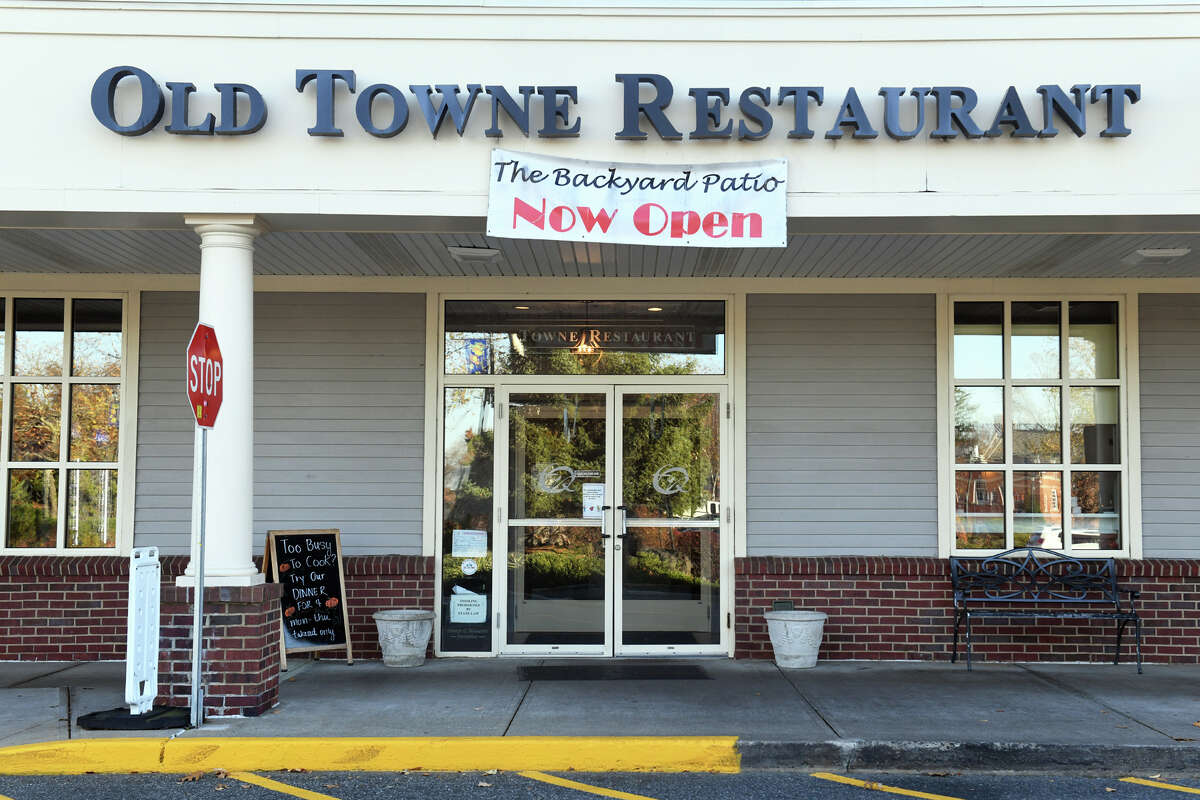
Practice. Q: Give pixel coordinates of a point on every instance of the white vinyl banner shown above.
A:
(739, 204)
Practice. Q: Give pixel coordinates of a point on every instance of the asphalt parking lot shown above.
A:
(792, 785)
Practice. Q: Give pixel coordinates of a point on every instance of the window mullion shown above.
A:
(1007, 470)
(1065, 416)
(1064, 341)
(64, 432)
(5, 409)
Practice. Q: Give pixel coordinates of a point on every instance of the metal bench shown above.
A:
(1032, 576)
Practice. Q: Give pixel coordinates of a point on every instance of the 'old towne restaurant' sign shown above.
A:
(715, 205)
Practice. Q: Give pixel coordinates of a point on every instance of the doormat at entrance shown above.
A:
(613, 672)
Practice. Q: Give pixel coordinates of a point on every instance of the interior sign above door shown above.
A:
(739, 204)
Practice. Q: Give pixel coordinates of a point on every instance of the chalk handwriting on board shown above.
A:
(308, 565)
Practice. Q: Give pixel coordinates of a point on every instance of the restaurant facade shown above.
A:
(919, 280)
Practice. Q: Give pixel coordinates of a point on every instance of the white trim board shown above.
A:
(612, 286)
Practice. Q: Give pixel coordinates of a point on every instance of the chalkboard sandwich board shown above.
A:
(308, 563)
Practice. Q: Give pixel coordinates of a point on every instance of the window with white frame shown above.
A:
(62, 392)
(1038, 422)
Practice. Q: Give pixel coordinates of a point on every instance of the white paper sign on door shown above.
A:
(468, 544)
(468, 608)
(593, 500)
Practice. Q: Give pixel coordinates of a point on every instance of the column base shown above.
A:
(241, 648)
(254, 579)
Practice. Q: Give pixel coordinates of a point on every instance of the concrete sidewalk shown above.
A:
(864, 715)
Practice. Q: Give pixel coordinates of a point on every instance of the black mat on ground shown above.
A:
(613, 672)
(119, 719)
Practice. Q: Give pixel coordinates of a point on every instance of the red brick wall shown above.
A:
(75, 608)
(241, 648)
(67, 609)
(375, 583)
(901, 608)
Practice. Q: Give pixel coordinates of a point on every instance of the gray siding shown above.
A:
(339, 418)
(841, 425)
(1169, 337)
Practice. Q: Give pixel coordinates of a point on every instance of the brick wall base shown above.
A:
(56, 609)
(75, 609)
(241, 648)
(902, 608)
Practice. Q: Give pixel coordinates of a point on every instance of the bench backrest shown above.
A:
(1034, 575)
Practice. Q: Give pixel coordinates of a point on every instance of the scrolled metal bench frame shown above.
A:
(1033, 575)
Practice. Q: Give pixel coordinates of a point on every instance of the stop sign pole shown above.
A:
(205, 390)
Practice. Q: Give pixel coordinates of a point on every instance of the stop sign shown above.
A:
(205, 375)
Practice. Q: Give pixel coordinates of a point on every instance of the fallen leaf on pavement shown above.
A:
(1109, 789)
(297, 769)
(220, 773)
(331, 786)
(1197, 724)
(481, 783)
(491, 772)
(192, 776)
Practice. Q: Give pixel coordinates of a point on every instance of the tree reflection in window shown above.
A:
(80, 473)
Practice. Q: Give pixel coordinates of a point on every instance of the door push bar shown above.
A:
(624, 526)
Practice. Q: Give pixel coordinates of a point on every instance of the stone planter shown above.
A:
(795, 637)
(403, 635)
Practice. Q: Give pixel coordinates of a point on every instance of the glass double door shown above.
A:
(612, 508)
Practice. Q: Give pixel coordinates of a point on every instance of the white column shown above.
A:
(227, 304)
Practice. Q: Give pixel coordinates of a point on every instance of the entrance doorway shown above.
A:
(610, 519)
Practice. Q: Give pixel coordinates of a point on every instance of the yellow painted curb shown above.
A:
(441, 754)
(79, 756)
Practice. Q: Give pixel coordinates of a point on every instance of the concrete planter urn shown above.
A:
(795, 637)
(403, 635)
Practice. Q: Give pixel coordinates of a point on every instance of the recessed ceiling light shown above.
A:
(473, 255)
(1163, 252)
(521, 308)
(1155, 255)
(654, 308)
